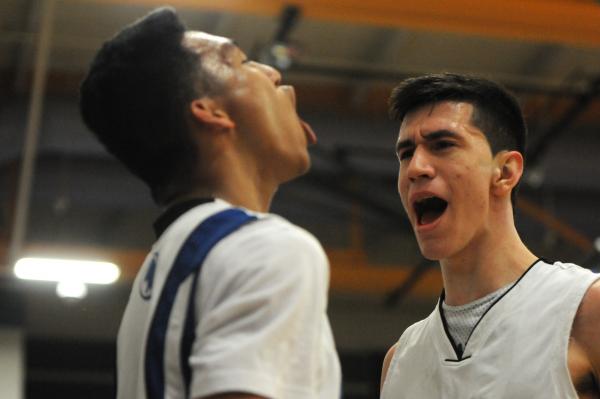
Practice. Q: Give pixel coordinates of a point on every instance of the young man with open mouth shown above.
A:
(231, 301)
(508, 324)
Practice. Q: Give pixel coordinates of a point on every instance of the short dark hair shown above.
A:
(496, 111)
(134, 99)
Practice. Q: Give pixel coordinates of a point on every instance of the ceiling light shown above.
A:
(71, 289)
(61, 270)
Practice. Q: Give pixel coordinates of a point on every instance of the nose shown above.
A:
(420, 166)
(271, 72)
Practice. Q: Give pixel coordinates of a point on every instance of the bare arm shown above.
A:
(386, 363)
(586, 329)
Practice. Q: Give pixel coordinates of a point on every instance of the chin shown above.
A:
(306, 167)
(303, 165)
(301, 169)
(434, 251)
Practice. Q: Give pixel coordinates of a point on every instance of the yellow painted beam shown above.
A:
(564, 230)
(572, 22)
(350, 270)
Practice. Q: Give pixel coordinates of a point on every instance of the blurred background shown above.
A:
(62, 196)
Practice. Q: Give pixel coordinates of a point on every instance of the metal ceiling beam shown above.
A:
(565, 231)
(580, 104)
(397, 295)
(351, 271)
(572, 22)
(348, 187)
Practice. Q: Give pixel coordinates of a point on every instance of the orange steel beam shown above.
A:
(572, 22)
(565, 231)
(350, 270)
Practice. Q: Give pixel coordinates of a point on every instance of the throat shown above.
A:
(430, 209)
(430, 216)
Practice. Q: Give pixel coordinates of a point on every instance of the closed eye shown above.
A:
(440, 145)
(405, 154)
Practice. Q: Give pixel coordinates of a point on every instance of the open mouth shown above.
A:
(428, 210)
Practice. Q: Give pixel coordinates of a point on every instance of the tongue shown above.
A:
(311, 137)
(430, 216)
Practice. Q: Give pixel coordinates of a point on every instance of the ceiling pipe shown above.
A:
(367, 72)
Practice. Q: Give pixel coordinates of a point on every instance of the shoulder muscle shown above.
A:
(586, 327)
(386, 362)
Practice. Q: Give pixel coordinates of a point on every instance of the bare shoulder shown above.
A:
(588, 314)
(586, 327)
(233, 396)
(386, 362)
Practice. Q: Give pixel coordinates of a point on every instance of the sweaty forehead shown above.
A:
(445, 115)
(200, 42)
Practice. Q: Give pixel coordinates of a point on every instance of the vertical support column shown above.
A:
(43, 44)
(12, 363)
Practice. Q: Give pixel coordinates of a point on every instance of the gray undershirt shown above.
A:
(462, 319)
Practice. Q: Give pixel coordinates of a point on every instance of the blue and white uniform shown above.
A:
(247, 314)
(517, 350)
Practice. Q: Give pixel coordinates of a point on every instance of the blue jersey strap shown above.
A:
(188, 261)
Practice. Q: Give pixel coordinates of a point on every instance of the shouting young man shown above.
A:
(508, 324)
(230, 301)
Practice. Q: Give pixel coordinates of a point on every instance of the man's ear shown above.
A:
(208, 112)
(508, 172)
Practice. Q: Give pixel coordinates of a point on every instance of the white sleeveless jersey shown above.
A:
(518, 349)
(256, 321)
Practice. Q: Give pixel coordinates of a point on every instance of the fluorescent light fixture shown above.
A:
(71, 289)
(63, 270)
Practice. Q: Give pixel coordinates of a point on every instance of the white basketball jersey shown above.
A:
(518, 350)
(249, 317)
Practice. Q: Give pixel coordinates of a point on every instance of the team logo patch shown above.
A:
(148, 281)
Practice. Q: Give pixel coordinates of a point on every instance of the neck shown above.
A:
(250, 197)
(494, 259)
(253, 201)
(234, 182)
(244, 184)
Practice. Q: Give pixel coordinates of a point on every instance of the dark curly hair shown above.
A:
(135, 100)
(496, 111)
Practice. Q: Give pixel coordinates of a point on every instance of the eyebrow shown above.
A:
(229, 46)
(429, 137)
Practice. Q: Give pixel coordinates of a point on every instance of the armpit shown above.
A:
(584, 352)
(587, 387)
